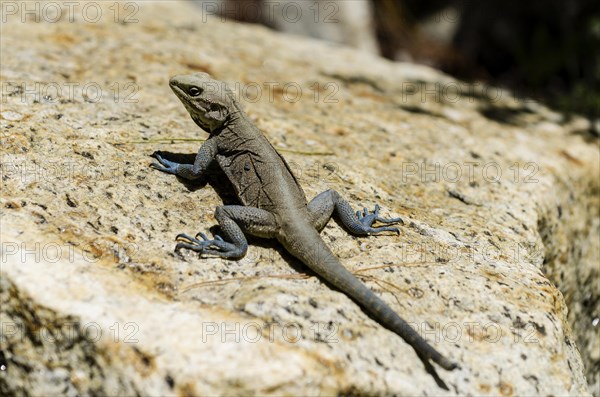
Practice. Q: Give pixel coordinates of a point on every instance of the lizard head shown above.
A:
(207, 100)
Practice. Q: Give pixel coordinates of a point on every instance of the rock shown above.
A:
(499, 202)
(333, 20)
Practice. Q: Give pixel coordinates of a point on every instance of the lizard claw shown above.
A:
(206, 246)
(205, 238)
(191, 246)
(164, 165)
(384, 229)
(202, 236)
(187, 237)
(193, 243)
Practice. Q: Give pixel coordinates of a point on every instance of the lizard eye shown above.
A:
(195, 91)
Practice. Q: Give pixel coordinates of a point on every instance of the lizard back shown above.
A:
(260, 176)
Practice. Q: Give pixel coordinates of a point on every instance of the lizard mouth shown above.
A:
(193, 109)
(196, 108)
(178, 91)
(199, 122)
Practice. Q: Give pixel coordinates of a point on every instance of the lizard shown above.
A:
(274, 204)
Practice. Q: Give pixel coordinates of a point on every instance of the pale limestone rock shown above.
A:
(499, 199)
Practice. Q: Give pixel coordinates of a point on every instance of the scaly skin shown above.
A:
(274, 204)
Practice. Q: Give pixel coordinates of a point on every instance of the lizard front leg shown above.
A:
(234, 221)
(323, 205)
(205, 156)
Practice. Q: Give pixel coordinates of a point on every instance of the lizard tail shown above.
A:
(312, 251)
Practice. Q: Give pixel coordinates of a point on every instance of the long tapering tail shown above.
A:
(306, 244)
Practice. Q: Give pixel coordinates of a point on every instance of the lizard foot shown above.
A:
(217, 247)
(367, 219)
(168, 166)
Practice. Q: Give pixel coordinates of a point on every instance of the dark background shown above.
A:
(545, 49)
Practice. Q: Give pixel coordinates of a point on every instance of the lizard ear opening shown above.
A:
(217, 112)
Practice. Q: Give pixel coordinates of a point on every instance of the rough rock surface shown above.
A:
(499, 196)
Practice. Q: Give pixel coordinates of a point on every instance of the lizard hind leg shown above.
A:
(234, 221)
(323, 205)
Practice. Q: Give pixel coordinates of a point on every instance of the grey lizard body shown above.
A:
(274, 204)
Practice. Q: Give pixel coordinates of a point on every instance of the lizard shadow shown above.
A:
(213, 176)
(216, 179)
